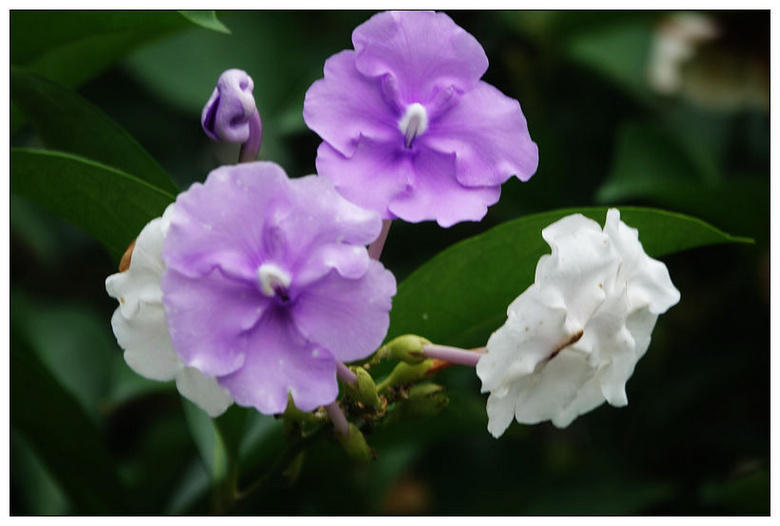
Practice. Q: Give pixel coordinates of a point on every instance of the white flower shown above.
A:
(572, 339)
(140, 328)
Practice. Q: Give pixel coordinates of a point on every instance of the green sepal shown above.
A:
(292, 413)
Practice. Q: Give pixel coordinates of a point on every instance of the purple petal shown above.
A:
(371, 178)
(208, 318)
(282, 362)
(348, 316)
(221, 223)
(489, 135)
(318, 230)
(424, 51)
(436, 194)
(344, 105)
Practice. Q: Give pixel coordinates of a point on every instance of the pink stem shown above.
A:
(452, 354)
(337, 417)
(375, 248)
(345, 374)
(251, 147)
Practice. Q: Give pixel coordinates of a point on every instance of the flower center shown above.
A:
(413, 123)
(274, 281)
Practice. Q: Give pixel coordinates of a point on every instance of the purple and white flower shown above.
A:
(573, 338)
(268, 285)
(409, 129)
(139, 323)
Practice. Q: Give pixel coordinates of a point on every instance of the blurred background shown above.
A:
(628, 108)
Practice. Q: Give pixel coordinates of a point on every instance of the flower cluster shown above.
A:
(572, 339)
(255, 288)
(409, 129)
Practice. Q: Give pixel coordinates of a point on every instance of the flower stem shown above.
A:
(452, 354)
(346, 375)
(375, 248)
(251, 147)
(337, 417)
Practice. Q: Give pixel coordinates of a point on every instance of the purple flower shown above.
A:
(268, 284)
(409, 129)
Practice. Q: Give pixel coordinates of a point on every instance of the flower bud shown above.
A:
(227, 112)
(405, 373)
(366, 391)
(355, 445)
(231, 114)
(406, 348)
(424, 401)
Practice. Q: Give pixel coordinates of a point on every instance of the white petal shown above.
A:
(588, 398)
(648, 281)
(581, 260)
(501, 411)
(554, 388)
(140, 283)
(203, 391)
(146, 342)
(531, 333)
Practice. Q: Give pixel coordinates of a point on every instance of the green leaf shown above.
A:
(204, 433)
(207, 19)
(619, 52)
(67, 122)
(73, 46)
(77, 346)
(36, 491)
(108, 204)
(461, 295)
(62, 435)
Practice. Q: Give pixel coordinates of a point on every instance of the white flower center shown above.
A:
(413, 123)
(274, 280)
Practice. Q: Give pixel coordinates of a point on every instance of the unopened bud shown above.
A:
(231, 114)
(405, 373)
(423, 401)
(355, 445)
(365, 391)
(406, 348)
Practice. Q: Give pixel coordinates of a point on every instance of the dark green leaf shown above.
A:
(207, 19)
(73, 46)
(65, 121)
(460, 296)
(204, 433)
(62, 435)
(619, 52)
(38, 492)
(77, 347)
(106, 203)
